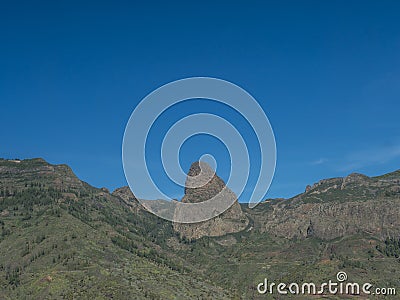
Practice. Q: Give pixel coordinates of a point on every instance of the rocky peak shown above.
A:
(105, 190)
(200, 173)
(125, 194)
(354, 178)
(202, 184)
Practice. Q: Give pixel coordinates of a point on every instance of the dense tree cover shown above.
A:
(391, 247)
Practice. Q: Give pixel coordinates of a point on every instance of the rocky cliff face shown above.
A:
(203, 184)
(335, 208)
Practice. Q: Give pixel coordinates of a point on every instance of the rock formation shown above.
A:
(335, 208)
(203, 184)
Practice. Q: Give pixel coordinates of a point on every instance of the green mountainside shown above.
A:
(61, 238)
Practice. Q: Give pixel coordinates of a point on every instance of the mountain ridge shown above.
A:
(62, 238)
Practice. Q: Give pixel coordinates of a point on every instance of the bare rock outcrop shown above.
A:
(203, 184)
(337, 207)
(125, 194)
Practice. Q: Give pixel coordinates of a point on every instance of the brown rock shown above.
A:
(203, 184)
(337, 207)
(125, 194)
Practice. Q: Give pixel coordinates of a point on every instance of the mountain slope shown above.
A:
(61, 238)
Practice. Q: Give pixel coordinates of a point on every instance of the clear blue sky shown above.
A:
(327, 74)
